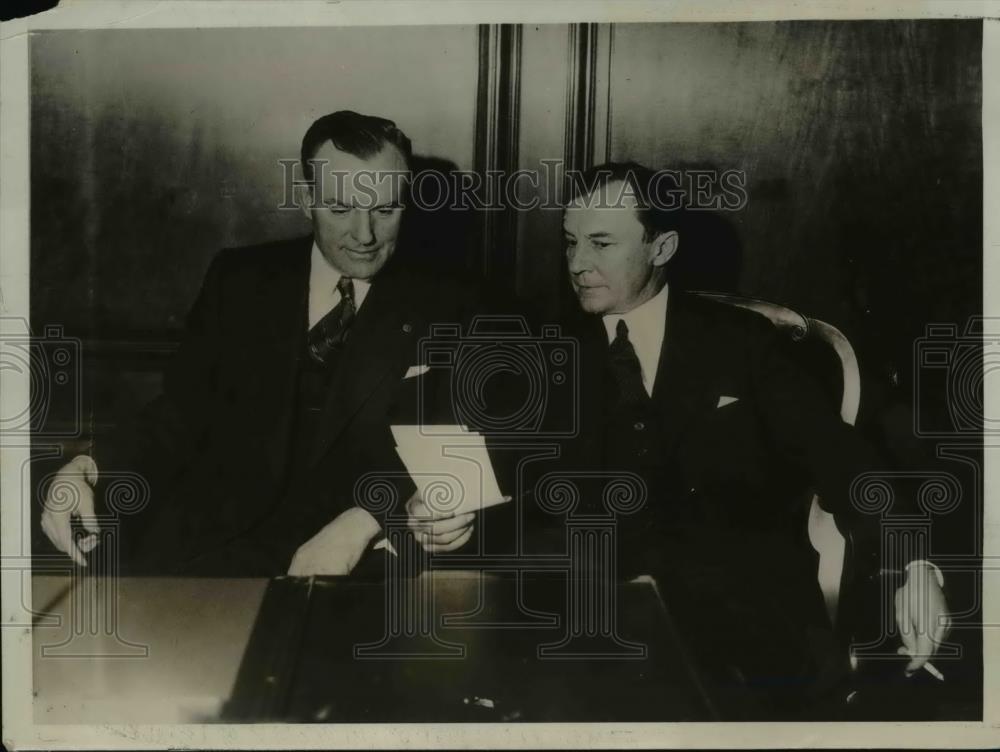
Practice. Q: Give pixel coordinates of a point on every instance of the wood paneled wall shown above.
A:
(860, 143)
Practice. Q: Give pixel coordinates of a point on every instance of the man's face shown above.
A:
(357, 208)
(612, 266)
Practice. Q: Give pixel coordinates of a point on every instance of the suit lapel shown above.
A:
(281, 339)
(380, 343)
(684, 376)
(592, 342)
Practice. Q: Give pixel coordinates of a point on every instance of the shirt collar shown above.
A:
(324, 276)
(646, 327)
(645, 322)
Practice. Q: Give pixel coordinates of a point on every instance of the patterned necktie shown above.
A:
(330, 332)
(626, 369)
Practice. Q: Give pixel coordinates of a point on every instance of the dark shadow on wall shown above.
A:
(22, 8)
(709, 255)
(438, 235)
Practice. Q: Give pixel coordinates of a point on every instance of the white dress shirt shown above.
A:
(646, 326)
(323, 292)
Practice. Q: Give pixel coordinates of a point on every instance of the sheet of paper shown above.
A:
(450, 467)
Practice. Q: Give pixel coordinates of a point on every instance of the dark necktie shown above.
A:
(626, 369)
(330, 332)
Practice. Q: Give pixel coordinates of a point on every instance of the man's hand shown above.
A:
(437, 532)
(921, 615)
(337, 548)
(71, 494)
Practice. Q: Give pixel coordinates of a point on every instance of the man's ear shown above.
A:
(304, 198)
(664, 247)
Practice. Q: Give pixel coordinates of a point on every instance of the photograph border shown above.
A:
(19, 731)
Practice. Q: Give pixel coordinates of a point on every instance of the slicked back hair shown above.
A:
(655, 206)
(363, 136)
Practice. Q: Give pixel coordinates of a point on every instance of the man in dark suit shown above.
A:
(702, 401)
(295, 361)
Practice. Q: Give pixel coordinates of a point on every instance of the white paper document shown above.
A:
(450, 467)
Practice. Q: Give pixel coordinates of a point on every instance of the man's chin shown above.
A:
(363, 265)
(591, 302)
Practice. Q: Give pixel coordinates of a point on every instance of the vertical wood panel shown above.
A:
(603, 93)
(580, 96)
(497, 127)
(544, 106)
(588, 95)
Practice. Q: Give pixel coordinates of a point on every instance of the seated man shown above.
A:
(698, 399)
(295, 358)
(729, 438)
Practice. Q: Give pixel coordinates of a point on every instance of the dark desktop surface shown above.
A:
(461, 646)
(204, 650)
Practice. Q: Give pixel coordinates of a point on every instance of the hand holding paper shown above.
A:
(438, 534)
(450, 467)
(455, 479)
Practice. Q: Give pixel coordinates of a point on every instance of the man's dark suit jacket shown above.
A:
(216, 445)
(724, 528)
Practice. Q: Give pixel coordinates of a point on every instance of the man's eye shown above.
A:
(339, 209)
(570, 242)
(386, 211)
(600, 243)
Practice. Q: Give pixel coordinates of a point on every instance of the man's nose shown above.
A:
(362, 228)
(578, 260)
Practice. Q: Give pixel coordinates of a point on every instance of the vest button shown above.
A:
(639, 425)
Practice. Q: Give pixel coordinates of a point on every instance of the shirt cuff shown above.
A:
(84, 463)
(937, 572)
(384, 543)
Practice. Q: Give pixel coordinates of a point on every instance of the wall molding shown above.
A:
(588, 95)
(603, 57)
(497, 137)
(579, 139)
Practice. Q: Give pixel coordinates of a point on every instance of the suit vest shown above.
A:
(312, 387)
(633, 443)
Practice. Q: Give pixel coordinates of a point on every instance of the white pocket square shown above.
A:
(724, 400)
(416, 371)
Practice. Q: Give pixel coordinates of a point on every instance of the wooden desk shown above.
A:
(163, 650)
(466, 647)
(150, 650)
(160, 650)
